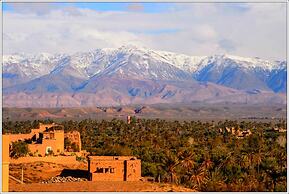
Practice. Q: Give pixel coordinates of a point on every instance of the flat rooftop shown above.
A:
(109, 158)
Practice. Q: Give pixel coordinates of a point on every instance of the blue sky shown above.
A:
(146, 7)
(244, 29)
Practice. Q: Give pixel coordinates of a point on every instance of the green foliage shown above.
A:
(133, 119)
(80, 159)
(67, 142)
(19, 149)
(74, 147)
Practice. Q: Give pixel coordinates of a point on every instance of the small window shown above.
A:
(112, 170)
(99, 170)
(106, 170)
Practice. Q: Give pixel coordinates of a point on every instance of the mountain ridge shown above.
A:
(129, 74)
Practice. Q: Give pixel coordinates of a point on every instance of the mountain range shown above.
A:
(136, 75)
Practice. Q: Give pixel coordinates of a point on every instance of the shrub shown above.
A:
(19, 149)
(75, 147)
(79, 158)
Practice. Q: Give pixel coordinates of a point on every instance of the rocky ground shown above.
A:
(60, 179)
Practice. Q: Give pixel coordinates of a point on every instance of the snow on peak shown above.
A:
(29, 65)
(94, 62)
(225, 60)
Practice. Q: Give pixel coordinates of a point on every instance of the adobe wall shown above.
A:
(41, 148)
(5, 148)
(5, 163)
(111, 157)
(16, 137)
(59, 141)
(56, 145)
(111, 170)
(133, 170)
(53, 159)
(42, 127)
(114, 168)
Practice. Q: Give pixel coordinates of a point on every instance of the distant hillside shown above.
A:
(163, 111)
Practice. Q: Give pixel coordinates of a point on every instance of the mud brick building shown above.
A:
(47, 138)
(114, 168)
(34, 133)
(51, 140)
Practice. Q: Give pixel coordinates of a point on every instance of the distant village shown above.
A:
(245, 133)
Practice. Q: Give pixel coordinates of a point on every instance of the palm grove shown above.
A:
(193, 154)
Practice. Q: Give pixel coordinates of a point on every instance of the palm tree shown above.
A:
(215, 181)
(245, 161)
(207, 164)
(257, 159)
(186, 159)
(170, 163)
(250, 182)
(281, 158)
(198, 178)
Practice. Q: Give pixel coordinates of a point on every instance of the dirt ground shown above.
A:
(104, 186)
(36, 172)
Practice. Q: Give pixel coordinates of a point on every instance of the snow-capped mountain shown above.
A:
(278, 78)
(20, 68)
(131, 74)
(237, 72)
